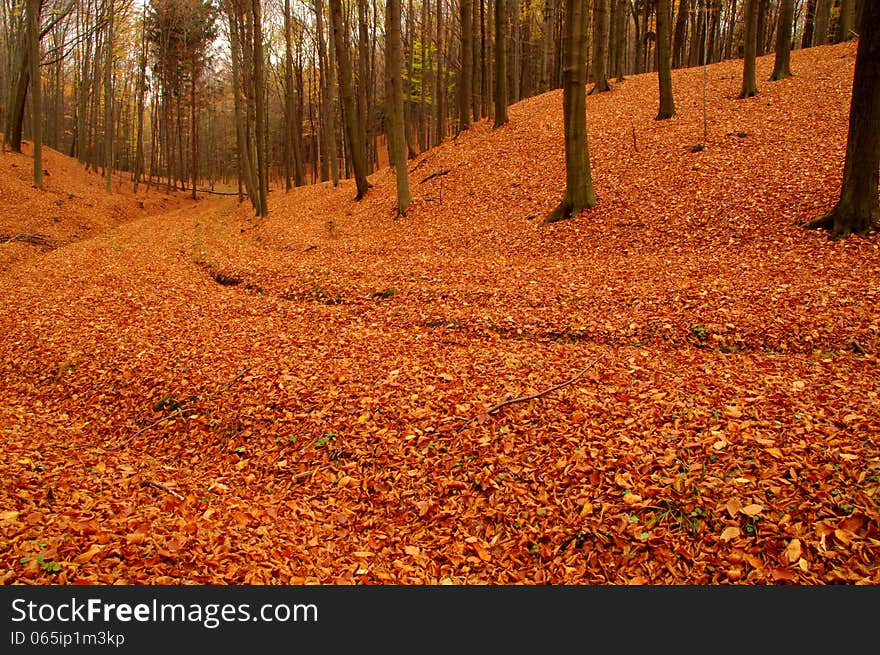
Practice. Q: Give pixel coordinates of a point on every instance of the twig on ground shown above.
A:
(540, 394)
(161, 487)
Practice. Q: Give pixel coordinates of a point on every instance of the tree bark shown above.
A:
(664, 62)
(397, 135)
(858, 209)
(501, 116)
(579, 193)
(750, 82)
(600, 47)
(820, 22)
(782, 63)
(464, 78)
(343, 63)
(33, 29)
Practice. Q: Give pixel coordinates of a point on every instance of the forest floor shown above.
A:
(191, 395)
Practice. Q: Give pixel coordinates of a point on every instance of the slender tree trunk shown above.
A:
(397, 134)
(579, 192)
(349, 103)
(820, 22)
(858, 209)
(441, 90)
(501, 116)
(327, 72)
(664, 61)
(782, 63)
(600, 47)
(680, 38)
(108, 99)
(547, 28)
(809, 24)
(33, 30)
(260, 118)
(464, 79)
(750, 82)
(141, 99)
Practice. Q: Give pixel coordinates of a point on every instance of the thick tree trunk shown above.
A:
(782, 63)
(750, 82)
(108, 100)
(397, 134)
(664, 62)
(845, 26)
(501, 116)
(858, 209)
(579, 193)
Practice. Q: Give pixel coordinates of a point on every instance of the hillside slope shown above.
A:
(201, 397)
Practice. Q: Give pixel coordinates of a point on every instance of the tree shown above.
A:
(33, 40)
(397, 133)
(750, 81)
(292, 118)
(464, 79)
(600, 47)
(664, 61)
(500, 63)
(579, 192)
(352, 130)
(858, 211)
(782, 63)
(847, 20)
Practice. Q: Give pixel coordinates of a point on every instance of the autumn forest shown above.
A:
(439, 292)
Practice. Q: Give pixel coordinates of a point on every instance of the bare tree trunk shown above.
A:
(820, 22)
(501, 116)
(858, 209)
(33, 30)
(750, 82)
(441, 90)
(343, 62)
(579, 192)
(397, 133)
(108, 99)
(664, 62)
(600, 47)
(464, 78)
(782, 63)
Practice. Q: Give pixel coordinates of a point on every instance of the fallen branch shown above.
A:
(534, 396)
(437, 174)
(161, 487)
(35, 239)
(177, 413)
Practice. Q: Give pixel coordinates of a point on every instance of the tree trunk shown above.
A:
(349, 103)
(782, 63)
(750, 82)
(820, 22)
(579, 192)
(397, 133)
(464, 78)
(664, 62)
(441, 91)
(328, 93)
(501, 116)
(858, 210)
(680, 38)
(845, 26)
(108, 100)
(600, 47)
(33, 29)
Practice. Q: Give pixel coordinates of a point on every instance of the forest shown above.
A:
(456, 292)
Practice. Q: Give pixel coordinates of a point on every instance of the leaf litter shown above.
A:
(193, 396)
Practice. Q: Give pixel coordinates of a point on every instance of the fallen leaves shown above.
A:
(726, 436)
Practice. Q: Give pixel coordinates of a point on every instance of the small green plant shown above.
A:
(387, 293)
(700, 332)
(327, 438)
